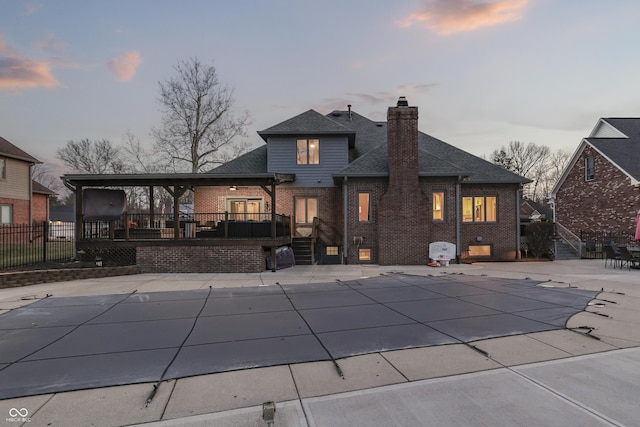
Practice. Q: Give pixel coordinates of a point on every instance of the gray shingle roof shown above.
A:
(368, 153)
(38, 188)
(7, 149)
(309, 122)
(624, 152)
(254, 161)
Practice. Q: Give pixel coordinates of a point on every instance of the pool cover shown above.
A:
(74, 343)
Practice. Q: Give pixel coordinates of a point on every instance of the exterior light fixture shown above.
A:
(233, 188)
(98, 261)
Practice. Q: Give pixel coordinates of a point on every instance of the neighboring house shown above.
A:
(62, 221)
(531, 211)
(16, 186)
(599, 191)
(374, 191)
(40, 202)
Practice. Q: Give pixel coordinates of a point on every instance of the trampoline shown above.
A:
(74, 343)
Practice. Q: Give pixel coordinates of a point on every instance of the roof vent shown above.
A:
(402, 102)
(336, 114)
(349, 107)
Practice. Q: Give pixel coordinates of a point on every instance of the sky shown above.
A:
(481, 72)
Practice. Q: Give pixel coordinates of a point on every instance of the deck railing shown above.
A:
(224, 225)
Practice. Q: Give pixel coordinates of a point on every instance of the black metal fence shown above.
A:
(594, 240)
(34, 244)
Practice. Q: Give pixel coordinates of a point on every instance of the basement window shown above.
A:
(479, 250)
(332, 251)
(364, 254)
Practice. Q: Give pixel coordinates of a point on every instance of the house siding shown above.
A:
(16, 183)
(606, 203)
(334, 155)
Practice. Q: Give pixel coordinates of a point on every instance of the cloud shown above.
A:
(16, 71)
(446, 17)
(32, 8)
(50, 43)
(125, 66)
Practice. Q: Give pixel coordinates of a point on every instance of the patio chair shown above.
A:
(610, 256)
(627, 259)
(592, 249)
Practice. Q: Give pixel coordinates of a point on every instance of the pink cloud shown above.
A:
(446, 17)
(16, 71)
(125, 66)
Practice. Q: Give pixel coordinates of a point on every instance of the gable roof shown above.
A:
(38, 188)
(368, 150)
(618, 140)
(310, 123)
(7, 149)
(254, 161)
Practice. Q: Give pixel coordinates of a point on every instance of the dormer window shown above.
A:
(308, 151)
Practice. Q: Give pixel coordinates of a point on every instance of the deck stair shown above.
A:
(303, 250)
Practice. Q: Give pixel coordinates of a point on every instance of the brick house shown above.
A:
(375, 192)
(599, 190)
(21, 200)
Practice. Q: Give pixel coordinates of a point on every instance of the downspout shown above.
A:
(30, 197)
(458, 216)
(345, 247)
(518, 223)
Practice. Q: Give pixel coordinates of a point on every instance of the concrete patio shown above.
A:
(563, 377)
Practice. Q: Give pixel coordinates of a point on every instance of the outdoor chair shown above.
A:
(610, 256)
(626, 258)
(592, 249)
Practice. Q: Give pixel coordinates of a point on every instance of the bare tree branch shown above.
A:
(92, 157)
(199, 126)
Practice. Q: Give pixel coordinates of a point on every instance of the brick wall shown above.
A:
(212, 200)
(434, 231)
(20, 210)
(607, 203)
(24, 278)
(40, 211)
(201, 259)
(403, 211)
(502, 235)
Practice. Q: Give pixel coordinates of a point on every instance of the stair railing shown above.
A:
(569, 238)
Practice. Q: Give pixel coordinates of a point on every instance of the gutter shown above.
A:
(345, 247)
(458, 217)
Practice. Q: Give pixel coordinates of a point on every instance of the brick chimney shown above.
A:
(403, 214)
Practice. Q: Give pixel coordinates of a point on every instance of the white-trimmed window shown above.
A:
(3, 167)
(6, 214)
(589, 169)
(308, 152)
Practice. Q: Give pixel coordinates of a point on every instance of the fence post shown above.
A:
(45, 240)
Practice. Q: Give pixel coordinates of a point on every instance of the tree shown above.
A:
(199, 128)
(91, 157)
(41, 173)
(536, 162)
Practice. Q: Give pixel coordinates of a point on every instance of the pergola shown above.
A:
(176, 184)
